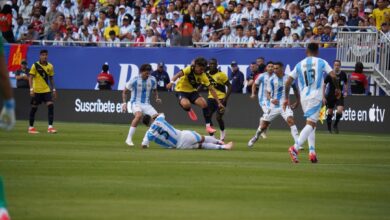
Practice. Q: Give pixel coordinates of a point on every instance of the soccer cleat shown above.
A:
(51, 130)
(210, 129)
(313, 157)
(252, 141)
(336, 129)
(129, 143)
(192, 115)
(32, 130)
(4, 214)
(145, 146)
(293, 154)
(264, 135)
(228, 146)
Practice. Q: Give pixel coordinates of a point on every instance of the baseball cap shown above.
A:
(234, 63)
(154, 20)
(122, 6)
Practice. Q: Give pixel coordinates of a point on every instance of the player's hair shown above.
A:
(270, 62)
(279, 64)
(43, 51)
(359, 67)
(312, 47)
(200, 61)
(145, 67)
(338, 61)
(260, 58)
(213, 60)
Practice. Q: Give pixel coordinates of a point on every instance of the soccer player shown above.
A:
(190, 78)
(334, 97)
(165, 135)
(219, 80)
(309, 73)
(276, 96)
(41, 73)
(141, 88)
(7, 115)
(261, 82)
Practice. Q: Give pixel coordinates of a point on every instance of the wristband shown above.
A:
(31, 90)
(173, 82)
(9, 104)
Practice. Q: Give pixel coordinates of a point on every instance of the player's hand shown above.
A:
(274, 101)
(169, 85)
(285, 103)
(7, 115)
(32, 94)
(158, 101)
(124, 107)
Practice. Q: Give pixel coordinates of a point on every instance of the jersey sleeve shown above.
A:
(294, 73)
(186, 70)
(224, 78)
(154, 82)
(50, 70)
(130, 83)
(258, 79)
(327, 67)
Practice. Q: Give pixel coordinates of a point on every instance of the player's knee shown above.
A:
(185, 104)
(290, 121)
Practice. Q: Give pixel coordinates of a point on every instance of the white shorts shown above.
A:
(146, 109)
(272, 113)
(189, 140)
(311, 109)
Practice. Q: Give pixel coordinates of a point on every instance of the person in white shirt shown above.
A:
(113, 41)
(240, 40)
(227, 38)
(287, 40)
(20, 29)
(25, 10)
(126, 31)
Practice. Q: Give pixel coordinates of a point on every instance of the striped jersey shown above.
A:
(276, 89)
(141, 89)
(262, 82)
(163, 133)
(310, 75)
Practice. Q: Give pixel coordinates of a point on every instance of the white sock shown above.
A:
(212, 146)
(312, 141)
(145, 140)
(50, 126)
(210, 139)
(303, 136)
(208, 124)
(222, 135)
(131, 133)
(294, 133)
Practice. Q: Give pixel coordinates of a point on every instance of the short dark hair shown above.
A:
(338, 61)
(200, 61)
(270, 62)
(145, 67)
(260, 58)
(312, 47)
(240, 27)
(43, 51)
(213, 60)
(279, 64)
(359, 67)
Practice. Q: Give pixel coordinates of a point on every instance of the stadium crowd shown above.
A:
(202, 23)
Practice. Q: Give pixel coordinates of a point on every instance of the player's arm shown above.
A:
(53, 88)
(297, 96)
(228, 92)
(345, 92)
(124, 99)
(158, 100)
(174, 78)
(287, 91)
(215, 96)
(253, 94)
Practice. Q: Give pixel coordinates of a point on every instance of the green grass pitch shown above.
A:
(86, 172)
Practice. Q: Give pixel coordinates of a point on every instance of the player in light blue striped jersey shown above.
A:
(165, 135)
(141, 88)
(310, 75)
(276, 96)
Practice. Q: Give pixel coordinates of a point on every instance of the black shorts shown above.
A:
(213, 106)
(41, 97)
(191, 96)
(331, 102)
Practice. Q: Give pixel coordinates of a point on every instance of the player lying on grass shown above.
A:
(165, 135)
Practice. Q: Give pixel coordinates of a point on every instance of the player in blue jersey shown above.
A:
(165, 135)
(275, 97)
(141, 88)
(309, 74)
(261, 82)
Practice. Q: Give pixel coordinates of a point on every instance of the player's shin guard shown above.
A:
(303, 136)
(50, 114)
(206, 115)
(312, 141)
(329, 121)
(221, 123)
(32, 115)
(338, 117)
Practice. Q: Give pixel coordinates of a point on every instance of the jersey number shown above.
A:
(310, 76)
(161, 132)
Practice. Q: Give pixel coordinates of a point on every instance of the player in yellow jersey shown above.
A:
(219, 80)
(41, 73)
(381, 14)
(190, 78)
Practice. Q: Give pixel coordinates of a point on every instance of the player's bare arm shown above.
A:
(287, 92)
(30, 82)
(297, 97)
(174, 78)
(53, 88)
(158, 100)
(253, 95)
(124, 98)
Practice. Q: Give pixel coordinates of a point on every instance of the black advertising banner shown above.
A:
(362, 113)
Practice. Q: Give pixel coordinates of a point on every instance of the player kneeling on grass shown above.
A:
(141, 87)
(275, 93)
(165, 135)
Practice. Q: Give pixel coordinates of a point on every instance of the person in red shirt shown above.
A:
(359, 82)
(105, 79)
(6, 24)
(139, 39)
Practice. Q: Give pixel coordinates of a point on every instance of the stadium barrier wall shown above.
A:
(78, 67)
(362, 113)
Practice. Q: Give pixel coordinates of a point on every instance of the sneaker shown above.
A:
(4, 214)
(228, 146)
(336, 129)
(129, 143)
(32, 130)
(192, 115)
(210, 129)
(293, 154)
(51, 130)
(313, 157)
(252, 141)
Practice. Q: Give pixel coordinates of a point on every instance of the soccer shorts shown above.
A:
(272, 113)
(191, 96)
(41, 98)
(331, 102)
(146, 109)
(189, 140)
(311, 109)
(213, 106)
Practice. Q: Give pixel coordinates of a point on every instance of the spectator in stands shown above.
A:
(113, 40)
(52, 15)
(295, 41)
(187, 29)
(287, 40)
(70, 37)
(31, 35)
(358, 81)
(296, 28)
(150, 39)
(162, 77)
(85, 37)
(386, 31)
(105, 80)
(125, 32)
(327, 36)
(22, 75)
(264, 36)
(240, 40)
(68, 9)
(381, 14)
(236, 78)
(96, 37)
(111, 27)
(25, 10)
(251, 76)
(6, 23)
(139, 38)
(354, 18)
(261, 64)
(20, 29)
(227, 39)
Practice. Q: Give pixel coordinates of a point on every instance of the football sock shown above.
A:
(259, 131)
(206, 115)
(329, 121)
(303, 136)
(210, 139)
(2, 196)
(212, 146)
(50, 110)
(145, 140)
(221, 123)
(338, 117)
(294, 133)
(223, 134)
(131, 133)
(312, 141)
(32, 115)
